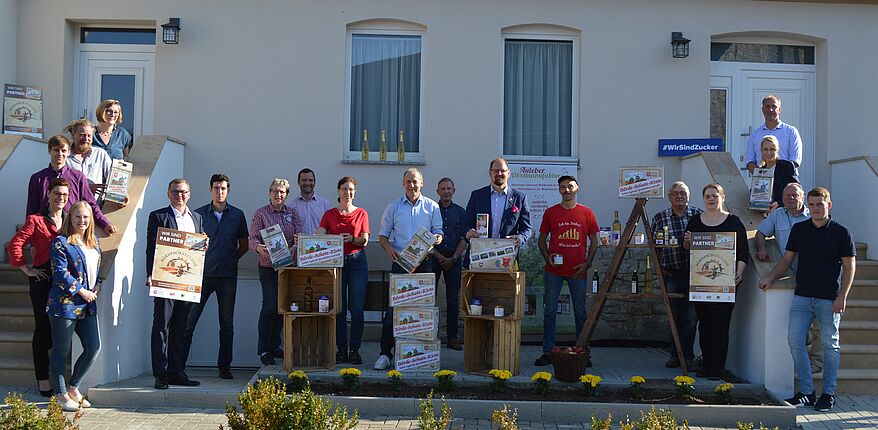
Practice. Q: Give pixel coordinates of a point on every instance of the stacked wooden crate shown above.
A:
(415, 322)
(492, 342)
(309, 335)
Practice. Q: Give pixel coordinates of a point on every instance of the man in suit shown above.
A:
(507, 209)
(169, 348)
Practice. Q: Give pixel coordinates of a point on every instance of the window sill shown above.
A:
(385, 163)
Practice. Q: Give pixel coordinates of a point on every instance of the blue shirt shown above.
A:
(788, 139)
(402, 219)
(498, 205)
(310, 211)
(119, 140)
(221, 258)
(453, 227)
(779, 223)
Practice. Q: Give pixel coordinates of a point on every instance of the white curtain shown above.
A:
(385, 90)
(538, 85)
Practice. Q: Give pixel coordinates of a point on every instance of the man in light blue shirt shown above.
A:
(308, 204)
(789, 141)
(401, 220)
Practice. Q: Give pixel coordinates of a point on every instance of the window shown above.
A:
(128, 36)
(761, 53)
(539, 89)
(385, 93)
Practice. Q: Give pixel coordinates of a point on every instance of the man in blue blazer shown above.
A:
(508, 210)
(169, 348)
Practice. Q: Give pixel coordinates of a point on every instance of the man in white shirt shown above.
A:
(789, 141)
(308, 204)
(92, 161)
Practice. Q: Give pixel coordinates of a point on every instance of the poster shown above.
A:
(278, 250)
(178, 265)
(22, 110)
(540, 183)
(325, 250)
(417, 355)
(639, 181)
(712, 267)
(421, 323)
(492, 255)
(761, 183)
(414, 289)
(416, 250)
(120, 175)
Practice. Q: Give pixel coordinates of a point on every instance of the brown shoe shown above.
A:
(455, 345)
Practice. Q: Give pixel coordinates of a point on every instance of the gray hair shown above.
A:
(680, 184)
(413, 170)
(279, 181)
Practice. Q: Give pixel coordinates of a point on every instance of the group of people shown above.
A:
(65, 277)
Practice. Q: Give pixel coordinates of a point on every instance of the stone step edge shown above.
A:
(855, 374)
(19, 311)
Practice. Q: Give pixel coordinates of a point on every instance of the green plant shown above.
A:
(394, 379)
(590, 384)
(637, 382)
(446, 380)
(541, 380)
(724, 392)
(265, 406)
(599, 424)
(749, 426)
(505, 419)
(428, 420)
(298, 380)
(499, 378)
(350, 378)
(654, 420)
(683, 385)
(19, 414)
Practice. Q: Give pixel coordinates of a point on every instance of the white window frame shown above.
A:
(548, 34)
(389, 28)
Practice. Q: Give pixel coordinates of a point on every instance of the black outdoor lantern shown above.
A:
(679, 45)
(171, 31)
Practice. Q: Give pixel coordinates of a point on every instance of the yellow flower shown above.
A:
(393, 373)
(683, 380)
(724, 388)
(590, 379)
(500, 374)
(637, 379)
(541, 376)
(445, 374)
(297, 374)
(353, 371)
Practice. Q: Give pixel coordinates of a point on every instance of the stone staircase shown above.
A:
(858, 373)
(16, 328)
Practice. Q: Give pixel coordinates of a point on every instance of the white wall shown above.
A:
(8, 40)
(205, 341)
(29, 156)
(853, 185)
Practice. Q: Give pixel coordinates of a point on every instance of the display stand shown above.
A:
(492, 342)
(638, 214)
(309, 336)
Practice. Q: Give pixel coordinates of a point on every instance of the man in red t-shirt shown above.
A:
(567, 225)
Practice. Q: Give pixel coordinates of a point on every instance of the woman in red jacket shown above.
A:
(39, 230)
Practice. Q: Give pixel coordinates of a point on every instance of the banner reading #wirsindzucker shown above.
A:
(712, 267)
(178, 265)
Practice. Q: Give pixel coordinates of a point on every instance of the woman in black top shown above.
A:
(784, 171)
(714, 317)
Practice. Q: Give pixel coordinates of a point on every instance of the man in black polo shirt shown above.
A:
(823, 247)
(446, 256)
(226, 227)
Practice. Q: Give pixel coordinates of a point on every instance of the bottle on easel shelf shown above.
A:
(634, 281)
(595, 282)
(616, 233)
(364, 148)
(647, 278)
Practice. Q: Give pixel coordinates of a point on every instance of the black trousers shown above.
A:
(169, 347)
(713, 334)
(41, 342)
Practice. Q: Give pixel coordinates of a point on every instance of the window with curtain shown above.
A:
(385, 91)
(538, 97)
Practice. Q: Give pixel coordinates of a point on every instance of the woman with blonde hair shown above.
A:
(75, 257)
(108, 134)
(783, 171)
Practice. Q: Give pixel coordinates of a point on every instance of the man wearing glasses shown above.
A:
(507, 209)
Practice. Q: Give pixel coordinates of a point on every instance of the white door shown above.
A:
(746, 84)
(109, 72)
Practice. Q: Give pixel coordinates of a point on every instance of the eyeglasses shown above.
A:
(112, 112)
(179, 192)
(499, 170)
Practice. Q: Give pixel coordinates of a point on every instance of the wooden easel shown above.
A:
(638, 213)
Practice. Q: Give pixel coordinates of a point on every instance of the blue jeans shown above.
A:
(225, 288)
(354, 277)
(388, 342)
(270, 323)
(803, 311)
(677, 281)
(62, 337)
(553, 287)
(452, 294)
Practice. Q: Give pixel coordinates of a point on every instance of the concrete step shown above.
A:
(861, 310)
(855, 332)
(866, 269)
(15, 343)
(15, 294)
(17, 318)
(853, 381)
(11, 275)
(859, 356)
(17, 370)
(864, 289)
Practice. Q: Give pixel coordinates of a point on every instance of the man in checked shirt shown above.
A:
(674, 262)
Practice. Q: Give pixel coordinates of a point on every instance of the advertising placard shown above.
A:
(417, 355)
(416, 250)
(411, 322)
(492, 255)
(414, 289)
(712, 267)
(324, 250)
(278, 249)
(22, 110)
(761, 183)
(120, 175)
(178, 265)
(640, 181)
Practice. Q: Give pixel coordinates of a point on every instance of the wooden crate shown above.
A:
(492, 344)
(291, 283)
(309, 342)
(494, 289)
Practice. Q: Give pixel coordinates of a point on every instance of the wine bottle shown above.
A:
(364, 148)
(595, 282)
(617, 228)
(647, 278)
(634, 281)
(400, 148)
(309, 297)
(382, 150)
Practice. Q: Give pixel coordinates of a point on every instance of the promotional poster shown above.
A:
(178, 265)
(638, 182)
(22, 110)
(712, 267)
(325, 250)
(414, 289)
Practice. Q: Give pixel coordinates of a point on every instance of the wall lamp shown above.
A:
(679, 45)
(171, 31)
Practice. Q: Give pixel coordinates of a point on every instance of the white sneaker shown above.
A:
(383, 363)
(69, 406)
